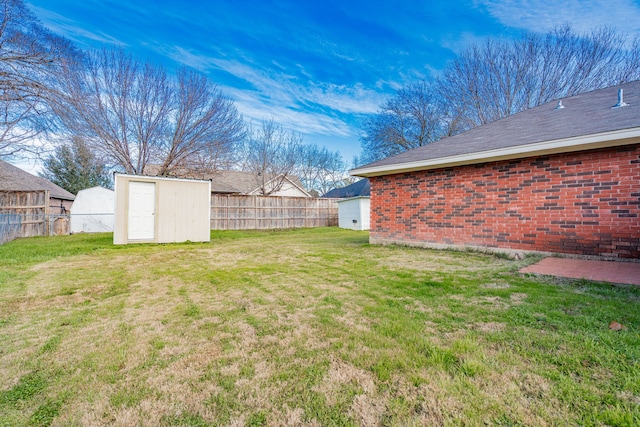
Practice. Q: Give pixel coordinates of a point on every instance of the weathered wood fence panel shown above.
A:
(27, 214)
(236, 212)
(10, 226)
(32, 206)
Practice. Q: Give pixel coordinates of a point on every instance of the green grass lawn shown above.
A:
(306, 327)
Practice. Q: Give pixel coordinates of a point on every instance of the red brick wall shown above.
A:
(585, 203)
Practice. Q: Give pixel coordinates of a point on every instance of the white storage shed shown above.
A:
(353, 213)
(153, 209)
(93, 210)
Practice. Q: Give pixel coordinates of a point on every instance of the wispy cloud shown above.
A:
(583, 16)
(186, 57)
(314, 108)
(316, 67)
(73, 30)
(356, 99)
(270, 90)
(304, 122)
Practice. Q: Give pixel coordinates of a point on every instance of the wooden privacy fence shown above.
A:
(237, 212)
(10, 226)
(29, 209)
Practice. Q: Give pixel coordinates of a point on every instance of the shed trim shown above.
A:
(151, 178)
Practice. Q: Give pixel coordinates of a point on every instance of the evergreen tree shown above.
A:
(74, 168)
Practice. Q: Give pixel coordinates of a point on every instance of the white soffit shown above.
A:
(566, 145)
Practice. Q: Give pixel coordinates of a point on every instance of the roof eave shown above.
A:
(565, 145)
(353, 198)
(159, 178)
(55, 196)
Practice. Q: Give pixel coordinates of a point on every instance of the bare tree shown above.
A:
(135, 114)
(206, 126)
(271, 154)
(493, 80)
(412, 118)
(320, 169)
(499, 78)
(30, 58)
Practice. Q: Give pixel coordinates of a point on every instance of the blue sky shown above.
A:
(317, 67)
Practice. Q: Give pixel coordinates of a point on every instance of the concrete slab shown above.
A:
(601, 271)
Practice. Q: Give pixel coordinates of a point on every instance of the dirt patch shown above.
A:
(488, 326)
(366, 410)
(489, 301)
(634, 399)
(419, 307)
(341, 374)
(496, 286)
(494, 302)
(438, 261)
(517, 298)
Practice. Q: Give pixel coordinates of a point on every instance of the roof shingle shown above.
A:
(585, 114)
(358, 188)
(13, 178)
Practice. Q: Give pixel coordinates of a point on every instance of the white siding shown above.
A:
(354, 213)
(93, 211)
(288, 189)
(185, 210)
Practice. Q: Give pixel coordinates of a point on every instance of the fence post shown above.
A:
(47, 226)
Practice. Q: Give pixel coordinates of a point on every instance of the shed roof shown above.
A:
(96, 189)
(587, 121)
(13, 178)
(358, 188)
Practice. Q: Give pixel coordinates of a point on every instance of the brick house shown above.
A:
(563, 177)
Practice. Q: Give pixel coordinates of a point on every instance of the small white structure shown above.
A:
(161, 210)
(93, 210)
(353, 213)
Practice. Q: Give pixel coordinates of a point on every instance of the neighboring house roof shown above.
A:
(587, 121)
(228, 181)
(358, 188)
(13, 178)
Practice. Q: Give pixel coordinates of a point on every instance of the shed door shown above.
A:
(142, 206)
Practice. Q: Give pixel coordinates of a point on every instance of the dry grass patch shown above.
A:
(488, 326)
